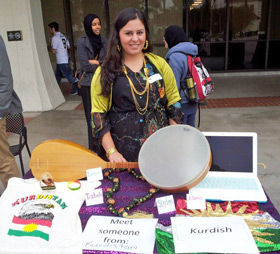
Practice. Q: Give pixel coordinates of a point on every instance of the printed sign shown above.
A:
(165, 204)
(94, 174)
(119, 234)
(94, 197)
(196, 202)
(14, 35)
(212, 234)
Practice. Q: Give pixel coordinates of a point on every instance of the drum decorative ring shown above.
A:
(175, 158)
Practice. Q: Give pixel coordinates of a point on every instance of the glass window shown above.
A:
(207, 20)
(212, 55)
(163, 13)
(117, 5)
(274, 54)
(274, 43)
(207, 29)
(248, 19)
(275, 20)
(246, 55)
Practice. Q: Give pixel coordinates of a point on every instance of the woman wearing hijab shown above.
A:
(176, 40)
(91, 51)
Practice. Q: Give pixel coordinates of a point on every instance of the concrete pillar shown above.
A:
(34, 79)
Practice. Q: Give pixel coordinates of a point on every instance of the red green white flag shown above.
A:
(30, 227)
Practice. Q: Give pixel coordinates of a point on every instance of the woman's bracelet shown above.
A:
(111, 151)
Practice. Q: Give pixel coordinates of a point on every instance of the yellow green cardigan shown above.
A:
(102, 104)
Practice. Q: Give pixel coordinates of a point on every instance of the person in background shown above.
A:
(176, 40)
(9, 104)
(134, 92)
(59, 47)
(91, 51)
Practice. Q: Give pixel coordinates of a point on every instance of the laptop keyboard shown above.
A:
(237, 183)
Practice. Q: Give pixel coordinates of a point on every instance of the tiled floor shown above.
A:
(242, 102)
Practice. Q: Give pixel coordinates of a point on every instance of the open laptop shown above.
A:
(233, 174)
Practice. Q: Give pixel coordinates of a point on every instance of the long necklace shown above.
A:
(109, 195)
(140, 110)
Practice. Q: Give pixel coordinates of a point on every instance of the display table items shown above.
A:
(262, 219)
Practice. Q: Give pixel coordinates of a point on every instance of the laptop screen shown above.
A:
(231, 153)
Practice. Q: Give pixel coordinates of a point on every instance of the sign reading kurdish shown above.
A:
(212, 234)
(119, 234)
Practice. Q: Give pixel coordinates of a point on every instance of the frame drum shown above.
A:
(175, 158)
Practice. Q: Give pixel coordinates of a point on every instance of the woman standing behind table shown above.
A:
(91, 51)
(176, 40)
(134, 93)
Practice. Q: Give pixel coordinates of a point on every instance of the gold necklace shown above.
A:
(140, 110)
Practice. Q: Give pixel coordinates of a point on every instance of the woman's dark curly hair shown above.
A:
(112, 64)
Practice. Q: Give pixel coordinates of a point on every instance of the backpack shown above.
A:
(198, 83)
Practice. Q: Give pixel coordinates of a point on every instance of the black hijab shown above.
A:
(174, 35)
(95, 40)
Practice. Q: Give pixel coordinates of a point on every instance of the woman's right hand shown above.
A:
(116, 157)
(93, 62)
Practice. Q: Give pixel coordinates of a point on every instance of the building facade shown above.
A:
(232, 35)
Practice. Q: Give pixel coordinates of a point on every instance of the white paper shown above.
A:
(94, 174)
(195, 202)
(165, 204)
(119, 234)
(94, 197)
(90, 186)
(212, 234)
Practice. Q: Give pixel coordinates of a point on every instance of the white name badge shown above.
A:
(154, 78)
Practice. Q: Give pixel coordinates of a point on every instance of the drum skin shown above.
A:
(175, 158)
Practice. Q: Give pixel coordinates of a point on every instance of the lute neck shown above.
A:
(122, 164)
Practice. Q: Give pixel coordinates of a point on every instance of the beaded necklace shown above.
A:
(109, 194)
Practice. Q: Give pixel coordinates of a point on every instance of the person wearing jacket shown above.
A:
(91, 51)
(176, 40)
(9, 104)
(134, 92)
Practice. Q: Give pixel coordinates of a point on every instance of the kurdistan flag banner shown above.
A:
(30, 227)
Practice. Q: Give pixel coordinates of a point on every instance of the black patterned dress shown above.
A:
(129, 128)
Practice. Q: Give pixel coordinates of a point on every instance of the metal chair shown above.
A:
(15, 124)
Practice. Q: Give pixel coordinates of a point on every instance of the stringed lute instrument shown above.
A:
(67, 161)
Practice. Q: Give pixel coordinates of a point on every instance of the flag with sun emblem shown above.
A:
(264, 228)
(34, 220)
